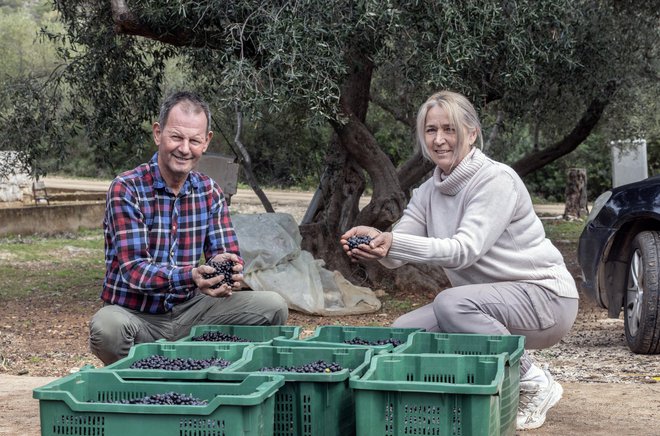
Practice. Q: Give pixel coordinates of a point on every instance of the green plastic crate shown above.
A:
(231, 351)
(310, 404)
(236, 406)
(429, 394)
(479, 345)
(336, 335)
(256, 334)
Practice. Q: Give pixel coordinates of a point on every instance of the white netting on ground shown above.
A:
(270, 246)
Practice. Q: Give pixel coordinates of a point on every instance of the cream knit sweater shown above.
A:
(479, 225)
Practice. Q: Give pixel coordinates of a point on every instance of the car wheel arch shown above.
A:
(613, 272)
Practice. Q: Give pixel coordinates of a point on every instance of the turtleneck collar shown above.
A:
(456, 180)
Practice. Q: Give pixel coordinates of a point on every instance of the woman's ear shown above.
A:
(472, 136)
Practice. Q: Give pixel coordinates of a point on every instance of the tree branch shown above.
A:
(247, 165)
(398, 115)
(127, 23)
(535, 160)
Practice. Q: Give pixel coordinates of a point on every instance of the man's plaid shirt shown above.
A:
(153, 239)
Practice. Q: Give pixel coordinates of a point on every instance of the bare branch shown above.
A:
(398, 115)
(499, 122)
(246, 163)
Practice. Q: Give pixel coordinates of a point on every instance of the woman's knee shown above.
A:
(421, 318)
(447, 307)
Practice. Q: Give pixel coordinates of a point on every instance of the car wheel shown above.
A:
(642, 303)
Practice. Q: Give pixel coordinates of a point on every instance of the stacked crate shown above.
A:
(385, 381)
(94, 401)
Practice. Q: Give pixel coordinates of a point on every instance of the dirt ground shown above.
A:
(607, 389)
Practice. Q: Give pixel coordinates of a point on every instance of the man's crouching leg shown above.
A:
(113, 330)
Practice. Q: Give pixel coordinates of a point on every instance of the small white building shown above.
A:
(629, 162)
(17, 182)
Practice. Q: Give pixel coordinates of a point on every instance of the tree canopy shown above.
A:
(552, 68)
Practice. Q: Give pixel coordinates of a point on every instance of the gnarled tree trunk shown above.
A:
(353, 151)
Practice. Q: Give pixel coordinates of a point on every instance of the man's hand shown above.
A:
(224, 290)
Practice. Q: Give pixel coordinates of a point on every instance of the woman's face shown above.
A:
(442, 141)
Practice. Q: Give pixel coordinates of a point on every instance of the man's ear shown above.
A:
(208, 140)
(155, 129)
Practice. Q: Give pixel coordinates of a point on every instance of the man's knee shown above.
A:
(110, 335)
(277, 307)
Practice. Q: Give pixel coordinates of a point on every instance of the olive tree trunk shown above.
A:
(352, 152)
(576, 194)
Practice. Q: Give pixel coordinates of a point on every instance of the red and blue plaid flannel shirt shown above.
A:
(153, 239)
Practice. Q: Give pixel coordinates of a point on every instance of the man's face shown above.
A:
(181, 142)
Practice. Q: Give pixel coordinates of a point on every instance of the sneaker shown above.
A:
(535, 401)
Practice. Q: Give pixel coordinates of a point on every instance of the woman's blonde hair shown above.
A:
(461, 113)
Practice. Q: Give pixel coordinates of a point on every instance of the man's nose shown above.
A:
(185, 145)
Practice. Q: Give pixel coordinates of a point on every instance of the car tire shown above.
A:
(642, 297)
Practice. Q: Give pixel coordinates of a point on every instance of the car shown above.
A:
(619, 254)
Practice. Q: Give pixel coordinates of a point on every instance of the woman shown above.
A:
(474, 217)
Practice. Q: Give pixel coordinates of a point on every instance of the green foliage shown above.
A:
(287, 154)
(395, 138)
(537, 63)
(20, 51)
(549, 183)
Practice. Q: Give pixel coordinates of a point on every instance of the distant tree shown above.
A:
(552, 67)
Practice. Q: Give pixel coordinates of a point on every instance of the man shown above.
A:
(160, 218)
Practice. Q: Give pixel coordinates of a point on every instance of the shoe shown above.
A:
(535, 401)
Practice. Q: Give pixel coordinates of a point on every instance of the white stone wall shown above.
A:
(15, 185)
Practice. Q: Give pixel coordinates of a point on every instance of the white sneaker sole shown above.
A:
(537, 419)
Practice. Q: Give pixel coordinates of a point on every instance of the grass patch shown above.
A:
(52, 265)
(563, 230)
(397, 304)
(73, 263)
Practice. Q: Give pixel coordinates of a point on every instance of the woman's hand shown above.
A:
(205, 286)
(376, 249)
